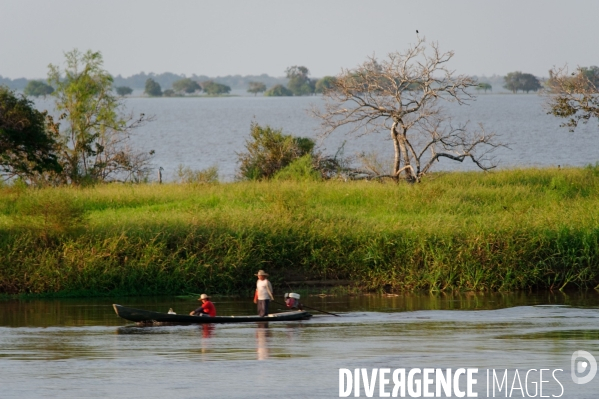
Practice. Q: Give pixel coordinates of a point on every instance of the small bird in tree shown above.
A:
(416, 31)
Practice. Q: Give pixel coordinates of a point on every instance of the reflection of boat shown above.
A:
(149, 317)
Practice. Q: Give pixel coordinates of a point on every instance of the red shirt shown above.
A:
(208, 308)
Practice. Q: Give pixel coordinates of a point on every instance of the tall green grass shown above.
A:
(507, 230)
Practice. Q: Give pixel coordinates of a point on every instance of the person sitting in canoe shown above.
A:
(292, 301)
(207, 308)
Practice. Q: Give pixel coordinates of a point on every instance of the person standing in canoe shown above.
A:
(207, 308)
(263, 294)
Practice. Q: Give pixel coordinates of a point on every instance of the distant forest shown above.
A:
(166, 79)
(16, 84)
(239, 82)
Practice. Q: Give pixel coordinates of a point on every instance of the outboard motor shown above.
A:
(292, 301)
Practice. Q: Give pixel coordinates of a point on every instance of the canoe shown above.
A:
(148, 317)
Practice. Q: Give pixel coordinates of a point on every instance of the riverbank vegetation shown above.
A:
(504, 230)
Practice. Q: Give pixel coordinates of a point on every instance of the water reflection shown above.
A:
(206, 346)
(99, 311)
(207, 330)
(450, 301)
(263, 335)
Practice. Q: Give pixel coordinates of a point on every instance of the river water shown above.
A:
(80, 349)
(200, 132)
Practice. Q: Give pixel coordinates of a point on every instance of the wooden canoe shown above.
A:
(148, 317)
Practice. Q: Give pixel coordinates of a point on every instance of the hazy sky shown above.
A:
(249, 37)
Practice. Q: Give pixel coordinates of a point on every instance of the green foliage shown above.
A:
(153, 89)
(278, 91)
(186, 85)
(574, 97)
(49, 215)
(169, 93)
(301, 169)
(95, 134)
(324, 84)
(186, 175)
(512, 82)
(484, 86)
(124, 90)
(214, 89)
(269, 151)
(256, 87)
(37, 88)
(299, 83)
(515, 81)
(27, 143)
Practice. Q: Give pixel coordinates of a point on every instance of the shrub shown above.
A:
(278, 91)
(269, 151)
(124, 90)
(302, 169)
(188, 176)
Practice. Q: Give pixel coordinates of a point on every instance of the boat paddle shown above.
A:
(305, 306)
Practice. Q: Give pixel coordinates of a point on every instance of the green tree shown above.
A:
(268, 151)
(214, 89)
(484, 86)
(530, 83)
(37, 88)
(27, 140)
(324, 84)
(299, 82)
(153, 89)
(278, 91)
(124, 90)
(95, 133)
(186, 85)
(575, 96)
(256, 87)
(515, 81)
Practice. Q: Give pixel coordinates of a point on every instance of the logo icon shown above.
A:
(578, 367)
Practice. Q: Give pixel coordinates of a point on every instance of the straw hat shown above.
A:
(261, 273)
(203, 296)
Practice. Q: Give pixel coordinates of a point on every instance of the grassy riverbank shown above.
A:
(504, 230)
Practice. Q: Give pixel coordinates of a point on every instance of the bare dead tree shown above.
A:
(402, 94)
(574, 96)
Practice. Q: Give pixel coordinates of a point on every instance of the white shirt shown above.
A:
(264, 289)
